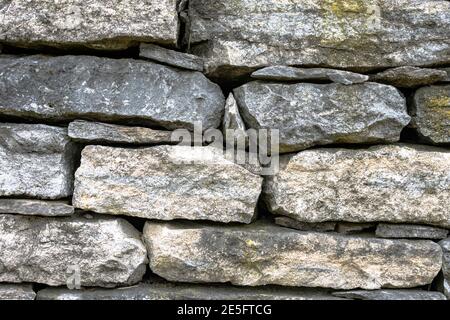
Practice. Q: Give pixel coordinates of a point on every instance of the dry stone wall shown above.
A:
(118, 119)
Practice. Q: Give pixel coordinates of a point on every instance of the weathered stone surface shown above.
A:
(409, 77)
(391, 295)
(431, 113)
(97, 132)
(393, 183)
(385, 230)
(245, 35)
(445, 244)
(35, 161)
(304, 226)
(85, 87)
(447, 70)
(353, 228)
(106, 24)
(107, 251)
(444, 287)
(171, 291)
(233, 123)
(171, 57)
(10, 291)
(285, 73)
(260, 254)
(318, 114)
(166, 182)
(35, 207)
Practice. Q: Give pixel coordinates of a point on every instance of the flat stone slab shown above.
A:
(165, 183)
(36, 207)
(388, 294)
(66, 88)
(318, 114)
(304, 226)
(409, 77)
(385, 230)
(171, 57)
(99, 251)
(35, 161)
(354, 228)
(261, 254)
(380, 183)
(33, 23)
(9, 291)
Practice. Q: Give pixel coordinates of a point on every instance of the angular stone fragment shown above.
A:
(97, 132)
(260, 254)
(237, 37)
(233, 124)
(393, 183)
(391, 294)
(35, 161)
(304, 226)
(107, 252)
(106, 24)
(318, 114)
(35, 207)
(84, 87)
(409, 77)
(166, 182)
(444, 287)
(445, 244)
(385, 230)
(171, 291)
(431, 113)
(353, 228)
(285, 73)
(171, 57)
(10, 291)
(447, 70)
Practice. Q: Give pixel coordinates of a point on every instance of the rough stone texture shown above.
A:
(431, 113)
(318, 114)
(303, 226)
(85, 87)
(385, 230)
(393, 183)
(166, 182)
(353, 228)
(444, 287)
(445, 244)
(36, 207)
(106, 24)
(260, 254)
(170, 291)
(171, 57)
(244, 35)
(447, 70)
(285, 73)
(409, 77)
(97, 132)
(232, 120)
(35, 161)
(16, 292)
(107, 251)
(391, 295)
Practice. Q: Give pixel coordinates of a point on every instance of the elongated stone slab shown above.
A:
(385, 230)
(171, 57)
(304, 226)
(106, 24)
(318, 114)
(166, 182)
(103, 252)
(391, 294)
(35, 161)
(66, 88)
(236, 37)
(36, 207)
(260, 254)
(10, 291)
(409, 77)
(393, 183)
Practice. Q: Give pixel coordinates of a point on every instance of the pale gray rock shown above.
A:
(10, 291)
(447, 70)
(444, 287)
(36, 207)
(84, 87)
(107, 252)
(35, 161)
(392, 183)
(171, 57)
(261, 254)
(409, 77)
(431, 113)
(106, 24)
(386, 230)
(445, 244)
(233, 124)
(237, 37)
(317, 114)
(285, 73)
(391, 294)
(352, 228)
(166, 182)
(304, 226)
(98, 132)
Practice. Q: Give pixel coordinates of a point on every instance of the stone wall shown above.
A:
(98, 200)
